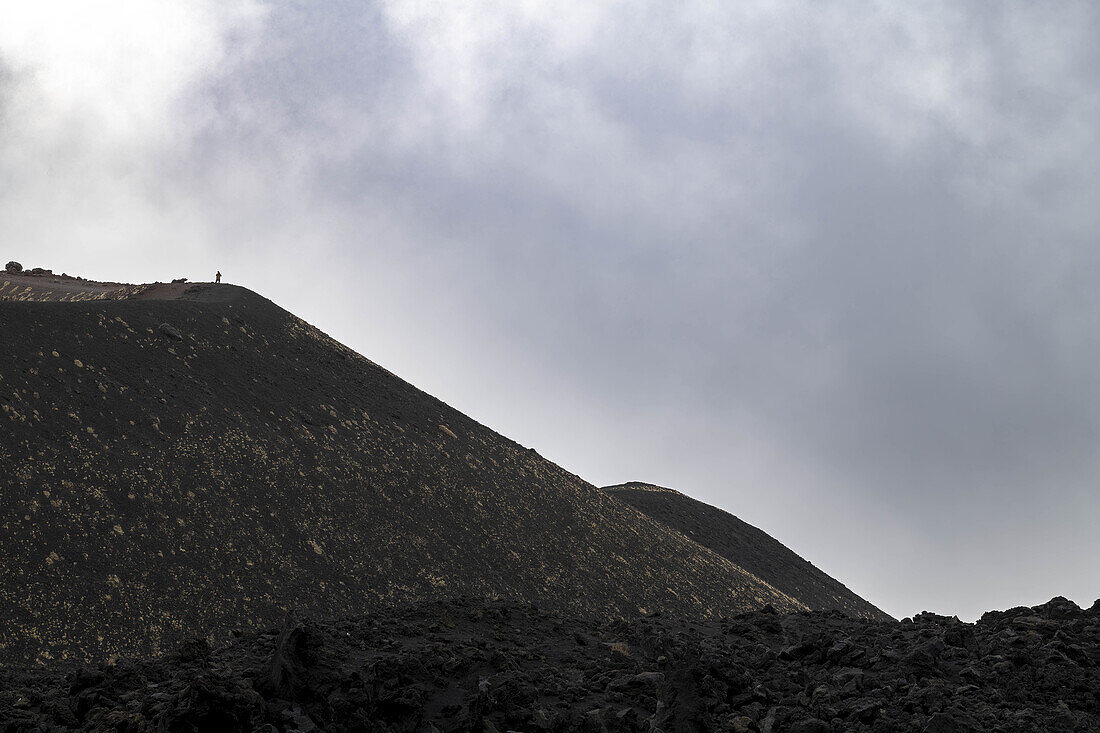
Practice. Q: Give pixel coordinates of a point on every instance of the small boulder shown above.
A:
(742, 724)
(941, 723)
(13, 267)
(171, 331)
(194, 649)
(811, 725)
(1059, 608)
(638, 680)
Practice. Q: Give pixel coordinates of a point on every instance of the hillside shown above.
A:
(746, 546)
(189, 459)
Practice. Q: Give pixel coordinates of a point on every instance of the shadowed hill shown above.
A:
(182, 459)
(745, 546)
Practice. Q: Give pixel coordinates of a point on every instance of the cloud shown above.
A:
(97, 111)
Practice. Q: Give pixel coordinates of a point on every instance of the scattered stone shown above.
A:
(427, 667)
(742, 724)
(811, 725)
(941, 723)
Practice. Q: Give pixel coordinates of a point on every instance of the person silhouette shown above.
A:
(218, 277)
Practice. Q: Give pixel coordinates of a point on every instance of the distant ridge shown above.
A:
(746, 546)
(182, 459)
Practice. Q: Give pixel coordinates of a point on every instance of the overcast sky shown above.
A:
(833, 267)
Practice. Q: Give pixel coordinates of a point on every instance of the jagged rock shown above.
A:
(741, 724)
(288, 668)
(941, 723)
(13, 267)
(1058, 608)
(471, 664)
(171, 331)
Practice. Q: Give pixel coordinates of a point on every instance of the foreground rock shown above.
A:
(492, 666)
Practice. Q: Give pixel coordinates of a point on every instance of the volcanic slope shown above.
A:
(180, 460)
(745, 546)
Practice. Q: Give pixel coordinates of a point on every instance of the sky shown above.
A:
(833, 267)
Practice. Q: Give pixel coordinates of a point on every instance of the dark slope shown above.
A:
(496, 666)
(189, 459)
(746, 546)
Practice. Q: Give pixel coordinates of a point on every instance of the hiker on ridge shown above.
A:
(218, 277)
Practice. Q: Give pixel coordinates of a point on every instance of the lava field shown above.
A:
(495, 666)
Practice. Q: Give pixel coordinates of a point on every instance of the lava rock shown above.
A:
(811, 725)
(468, 664)
(13, 267)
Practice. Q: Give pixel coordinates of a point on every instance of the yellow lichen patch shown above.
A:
(316, 547)
(448, 431)
(55, 353)
(78, 363)
(117, 529)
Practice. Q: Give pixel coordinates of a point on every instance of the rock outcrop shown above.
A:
(472, 665)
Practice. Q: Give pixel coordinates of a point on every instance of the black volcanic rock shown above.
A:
(171, 331)
(13, 267)
(746, 546)
(154, 489)
(475, 665)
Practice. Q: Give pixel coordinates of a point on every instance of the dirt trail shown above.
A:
(68, 289)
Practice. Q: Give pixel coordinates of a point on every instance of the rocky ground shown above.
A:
(495, 666)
